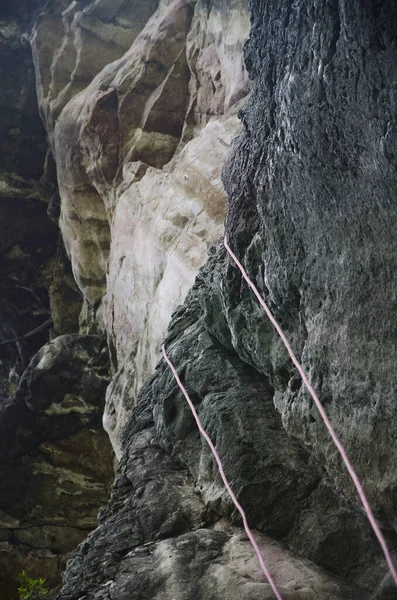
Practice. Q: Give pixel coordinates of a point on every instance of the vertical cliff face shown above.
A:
(26, 231)
(139, 137)
(140, 103)
(321, 184)
(311, 184)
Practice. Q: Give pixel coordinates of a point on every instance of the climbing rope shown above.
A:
(222, 474)
(324, 417)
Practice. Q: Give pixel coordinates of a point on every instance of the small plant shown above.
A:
(31, 589)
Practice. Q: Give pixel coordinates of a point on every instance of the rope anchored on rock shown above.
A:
(324, 417)
(224, 478)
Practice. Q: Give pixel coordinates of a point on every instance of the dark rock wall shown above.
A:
(23, 145)
(319, 174)
(30, 247)
(55, 459)
(56, 463)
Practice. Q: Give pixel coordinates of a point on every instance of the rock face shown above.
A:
(139, 144)
(55, 459)
(28, 238)
(159, 115)
(311, 182)
(33, 268)
(140, 103)
(324, 183)
(158, 539)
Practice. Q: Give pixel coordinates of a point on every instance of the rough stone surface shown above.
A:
(28, 238)
(321, 169)
(158, 247)
(140, 103)
(141, 135)
(60, 393)
(49, 492)
(178, 74)
(55, 460)
(158, 539)
(49, 503)
(311, 182)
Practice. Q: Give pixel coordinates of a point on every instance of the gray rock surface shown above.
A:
(311, 182)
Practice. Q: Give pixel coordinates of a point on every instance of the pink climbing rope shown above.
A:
(222, 474)
(325, 418)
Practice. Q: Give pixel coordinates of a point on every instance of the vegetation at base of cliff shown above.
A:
(31, 589)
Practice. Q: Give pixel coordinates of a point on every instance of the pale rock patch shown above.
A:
(139, 135)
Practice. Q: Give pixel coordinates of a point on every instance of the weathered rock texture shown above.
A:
(311, 182)
(31, 252)
(55, 459)
(158, 539)
(140, 137)
(324, 182)
(139, 100)
(26, 231)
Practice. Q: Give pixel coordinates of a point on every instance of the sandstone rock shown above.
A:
(139, 153)
(311, 183)
(65, 297)
(73, 41)
(162, 227)
(136, 119)
(140, 103)
(56, 463)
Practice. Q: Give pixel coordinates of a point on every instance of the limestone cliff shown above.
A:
(144, 103)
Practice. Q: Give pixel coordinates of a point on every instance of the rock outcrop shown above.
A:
(56, 463)
(139, 144)
(142, 103)
(55, 459)
(310, 182)
(35, 277)
(28, 238)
